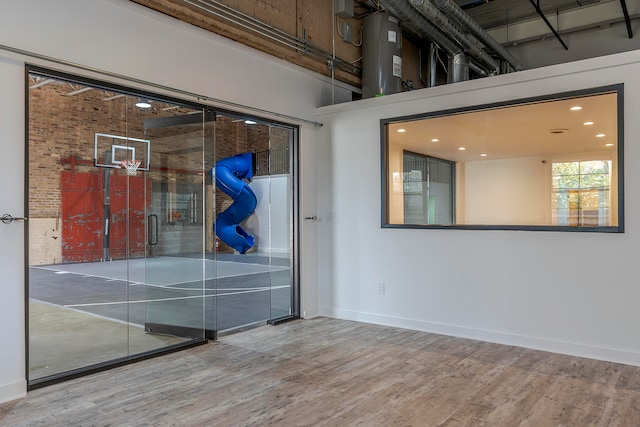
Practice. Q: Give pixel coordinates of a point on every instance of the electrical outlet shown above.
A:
(381, 288)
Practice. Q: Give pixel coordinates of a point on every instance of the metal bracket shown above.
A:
(8, 219)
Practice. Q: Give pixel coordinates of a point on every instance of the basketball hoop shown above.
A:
(131, 166)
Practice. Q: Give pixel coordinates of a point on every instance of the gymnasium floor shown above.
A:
(111, 302)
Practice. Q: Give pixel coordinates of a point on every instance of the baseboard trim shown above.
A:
(13, 391)
(310, 314)
(535, 343)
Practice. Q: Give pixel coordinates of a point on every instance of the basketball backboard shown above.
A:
(111, 150)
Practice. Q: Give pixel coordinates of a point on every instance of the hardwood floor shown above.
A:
(327, 372)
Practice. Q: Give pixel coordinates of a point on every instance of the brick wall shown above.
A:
(62, 126)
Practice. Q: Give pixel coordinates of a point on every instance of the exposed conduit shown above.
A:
(439, 19)
(415, 22)
(453, 10)
(270, 32)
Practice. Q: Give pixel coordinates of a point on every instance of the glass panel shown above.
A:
(538, 163)
(175, 266)
(254, 183)
(280, 221)
(242, 222)
(91, 292)
(78, 285)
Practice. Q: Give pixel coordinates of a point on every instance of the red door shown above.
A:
(84, 215)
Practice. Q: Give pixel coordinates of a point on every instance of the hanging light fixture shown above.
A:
(143, 103)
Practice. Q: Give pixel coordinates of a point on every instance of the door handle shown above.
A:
(312, 218)
(152, 229)
(8, 219)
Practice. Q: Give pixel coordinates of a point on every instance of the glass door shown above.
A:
(281, 225)
(116, 236)
(254, 213)
(179, 285)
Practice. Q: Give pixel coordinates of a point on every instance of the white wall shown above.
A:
(12, 356)
(121, 37)
(507, 192)
(270, 222)
(543, 290)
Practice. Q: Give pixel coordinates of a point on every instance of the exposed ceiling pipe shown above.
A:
(415, 22)
(458, 68)
(441, 21)
(220, 10)
(452, 10)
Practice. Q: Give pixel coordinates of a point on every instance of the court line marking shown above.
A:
(99, 316)
(217, 260)
(169, 299)
(178, 288)
(133, 282)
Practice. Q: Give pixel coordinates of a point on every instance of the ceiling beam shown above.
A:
(536, 5)
(582, 18)
(627, 20)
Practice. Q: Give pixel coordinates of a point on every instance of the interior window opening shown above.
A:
(548, 163)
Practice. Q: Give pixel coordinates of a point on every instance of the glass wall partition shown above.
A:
(116, 204)
(153, 224)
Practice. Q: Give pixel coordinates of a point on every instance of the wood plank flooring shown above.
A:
(328, 372)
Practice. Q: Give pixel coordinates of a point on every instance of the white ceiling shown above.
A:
(516, 131)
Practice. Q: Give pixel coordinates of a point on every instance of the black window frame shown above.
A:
(618, 89)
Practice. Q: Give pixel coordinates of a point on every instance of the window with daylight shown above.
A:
(581, 193)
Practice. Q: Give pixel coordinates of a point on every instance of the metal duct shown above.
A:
(452, 10)
(414, 21)
(458, 68)
(433, 64)
(441, 21)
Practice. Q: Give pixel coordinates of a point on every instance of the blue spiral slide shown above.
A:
(229, 174)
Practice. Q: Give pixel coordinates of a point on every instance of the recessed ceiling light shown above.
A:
(483, 155)
(600, 135)
(588, 123)
(249, 122)
(435, 140)
(401, 130)
(608, 145)
(576, 108)
(462, 148)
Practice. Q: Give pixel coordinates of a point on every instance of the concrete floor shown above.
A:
(62, 339)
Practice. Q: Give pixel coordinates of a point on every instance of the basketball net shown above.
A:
(131, 166)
